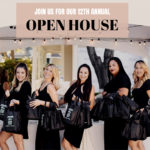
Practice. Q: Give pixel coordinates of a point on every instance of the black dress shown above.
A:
(2, 92)
(46, 140)
(113, 127)
(22, 96)
(74, 134)
(140, 95)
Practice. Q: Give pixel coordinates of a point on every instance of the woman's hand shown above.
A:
(103, 93)
(74, 98)
(7, 93)
(35, 103)
(13, 102)
(36, 92)
(142, 109)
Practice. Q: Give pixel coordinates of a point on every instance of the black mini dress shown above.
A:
(46, 140)
(113, 127)
(140, 95)
(22, 96)
(73, 134)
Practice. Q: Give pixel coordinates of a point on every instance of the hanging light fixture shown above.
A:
(116, 42)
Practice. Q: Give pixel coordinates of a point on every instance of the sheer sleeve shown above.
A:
(25, 91)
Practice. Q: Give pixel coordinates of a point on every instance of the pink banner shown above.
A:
(72, 20)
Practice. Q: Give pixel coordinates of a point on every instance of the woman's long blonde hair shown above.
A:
(55, 79)
(15, 82)
(145, 76)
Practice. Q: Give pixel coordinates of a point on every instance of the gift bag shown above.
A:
(147, 120)
(73, 113)
(134, 129)
(52, 120)
(124, 108)
(33, 114)
(132, 104)
(96, 112)
(84, 120)
(108, 109)
(12, 120)
(3, 107)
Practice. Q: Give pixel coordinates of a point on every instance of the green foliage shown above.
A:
(10, 65)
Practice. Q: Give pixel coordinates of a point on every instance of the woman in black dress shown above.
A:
(141, 94)
(83, 89)
(46, 96)
(19, 93)
(4, 83)
(118, 82)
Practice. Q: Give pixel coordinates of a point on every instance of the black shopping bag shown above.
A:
(147, 120)
(3, 107)
(12, 120)
(108, 109)
(135, 129)
(84, 120)
(73, 113)
(124, 109)
(96, 112)
(132, 104)
(52, 120)
(33, 114)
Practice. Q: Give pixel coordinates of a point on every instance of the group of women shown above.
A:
(82, 88)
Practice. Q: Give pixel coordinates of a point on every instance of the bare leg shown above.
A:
(74, 148)
(133, 145)
(66, 145)
(18, 139)
(141, 145)
(4, 136)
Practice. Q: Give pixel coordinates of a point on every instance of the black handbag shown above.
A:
(78, 114)
(124, 108)
(134, 129)
(146, 119)
(84, 120)
(96, 112)
(12, 120)
(132, 104)
(3, 107)
(73, 113)
(108, 108)
(33, 114)
(52, 119)
(120, 108)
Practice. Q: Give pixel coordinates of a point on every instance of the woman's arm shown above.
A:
(53, 94)
(92, 97)
(62, 101)
(6, 86)
(24, 92)
(123, 91)
(148, 93)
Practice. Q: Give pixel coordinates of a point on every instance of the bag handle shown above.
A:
(14, 108)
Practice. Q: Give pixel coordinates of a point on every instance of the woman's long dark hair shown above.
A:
(86, 88)
(4, 76)
(121, 69)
